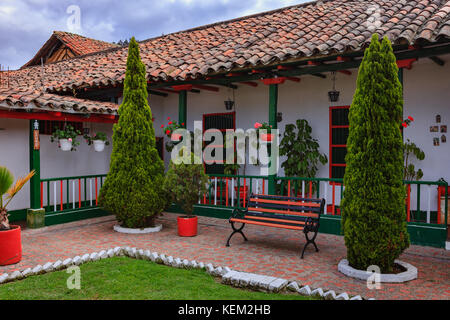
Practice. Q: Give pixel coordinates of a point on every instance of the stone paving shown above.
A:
(270, 251)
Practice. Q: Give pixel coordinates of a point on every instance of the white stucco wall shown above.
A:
(426, 89)
(14, 154)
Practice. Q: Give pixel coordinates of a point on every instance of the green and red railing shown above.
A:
(223, 192)
(231, 191)
(70, 193)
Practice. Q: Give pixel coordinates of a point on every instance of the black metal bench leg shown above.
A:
(236, 231)
(308, 241)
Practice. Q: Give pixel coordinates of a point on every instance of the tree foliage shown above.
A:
(373, 208)
(186, 182)
(133, 188)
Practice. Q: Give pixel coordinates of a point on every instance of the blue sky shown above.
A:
(25, 25)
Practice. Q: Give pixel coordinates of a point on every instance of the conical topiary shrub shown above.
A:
(373, 208)
(133, 187)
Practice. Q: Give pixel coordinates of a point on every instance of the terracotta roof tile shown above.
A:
(304, 30)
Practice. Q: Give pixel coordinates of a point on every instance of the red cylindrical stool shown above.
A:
(187, 226)
(10, 246)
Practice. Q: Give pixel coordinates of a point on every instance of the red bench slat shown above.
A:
(266, 224)
(290, 203)
(293, 213)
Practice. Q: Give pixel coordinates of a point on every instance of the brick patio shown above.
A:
(270, 251)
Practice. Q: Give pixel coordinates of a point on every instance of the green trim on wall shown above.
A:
(35, 164)
(182, 108)
(273, 110)
(17, 215)
(431, 235)
(74, 215)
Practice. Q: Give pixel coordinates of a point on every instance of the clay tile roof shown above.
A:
(79, 45)
(287, 34)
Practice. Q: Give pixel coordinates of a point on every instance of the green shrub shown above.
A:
(133, 188)
(301, 150)
(373, 208)
(185, 182)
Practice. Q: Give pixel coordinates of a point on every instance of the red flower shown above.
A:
(411, 118)
(258, 125)
(167, 132)
(162, 126)
(182, 124)
(170, 123)
(405, 125)
(168, 118)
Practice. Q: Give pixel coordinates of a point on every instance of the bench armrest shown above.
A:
(238, 213)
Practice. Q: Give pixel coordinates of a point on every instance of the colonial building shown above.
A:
(276, 67)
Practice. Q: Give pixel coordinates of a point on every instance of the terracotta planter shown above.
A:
(10, 246)
(268, 137)
(187, 226)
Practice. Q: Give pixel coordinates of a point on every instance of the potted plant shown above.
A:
(10, 240)
(302, 153)
(185, 183)
(268, 136)
(67, 138)
(99, 140)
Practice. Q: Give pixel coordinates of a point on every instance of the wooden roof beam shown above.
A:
(207, 88)
(314, 63)
(438, 61)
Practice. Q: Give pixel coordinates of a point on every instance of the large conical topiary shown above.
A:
(133, 187)
(373, 209)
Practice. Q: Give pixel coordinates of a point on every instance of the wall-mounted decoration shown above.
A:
(443, 129)
(438, 119)
(444, 139)
(434, 129)
(436, 142)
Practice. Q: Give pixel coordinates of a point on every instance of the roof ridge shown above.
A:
(57, 32)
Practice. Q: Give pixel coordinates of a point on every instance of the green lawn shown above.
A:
(129, 279)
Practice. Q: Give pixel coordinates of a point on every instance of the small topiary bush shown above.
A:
(373, 208)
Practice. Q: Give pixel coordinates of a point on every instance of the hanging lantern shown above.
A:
(229, 104)
(334, 94)
(279, 117)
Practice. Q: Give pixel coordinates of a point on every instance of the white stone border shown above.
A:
(408, 275)
(120, 229)
(231, 277)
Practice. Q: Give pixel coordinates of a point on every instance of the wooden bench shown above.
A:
(293, 213)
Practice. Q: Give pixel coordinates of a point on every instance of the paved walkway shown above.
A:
(271, 251)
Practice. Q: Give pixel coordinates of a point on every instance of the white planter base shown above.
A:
(408, 275)
(137, 231)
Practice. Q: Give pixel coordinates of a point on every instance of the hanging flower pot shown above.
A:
(99, 140)
(268, 137)
(67, 138)
(65, 144)
(99, 145)
(176, 137)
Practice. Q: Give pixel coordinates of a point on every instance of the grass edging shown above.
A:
(227, 276)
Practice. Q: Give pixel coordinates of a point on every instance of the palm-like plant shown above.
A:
(9, 190)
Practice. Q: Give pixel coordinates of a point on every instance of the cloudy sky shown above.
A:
(25, 25)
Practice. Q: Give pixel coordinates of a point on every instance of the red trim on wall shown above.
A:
(331, 139)
(57, 116)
